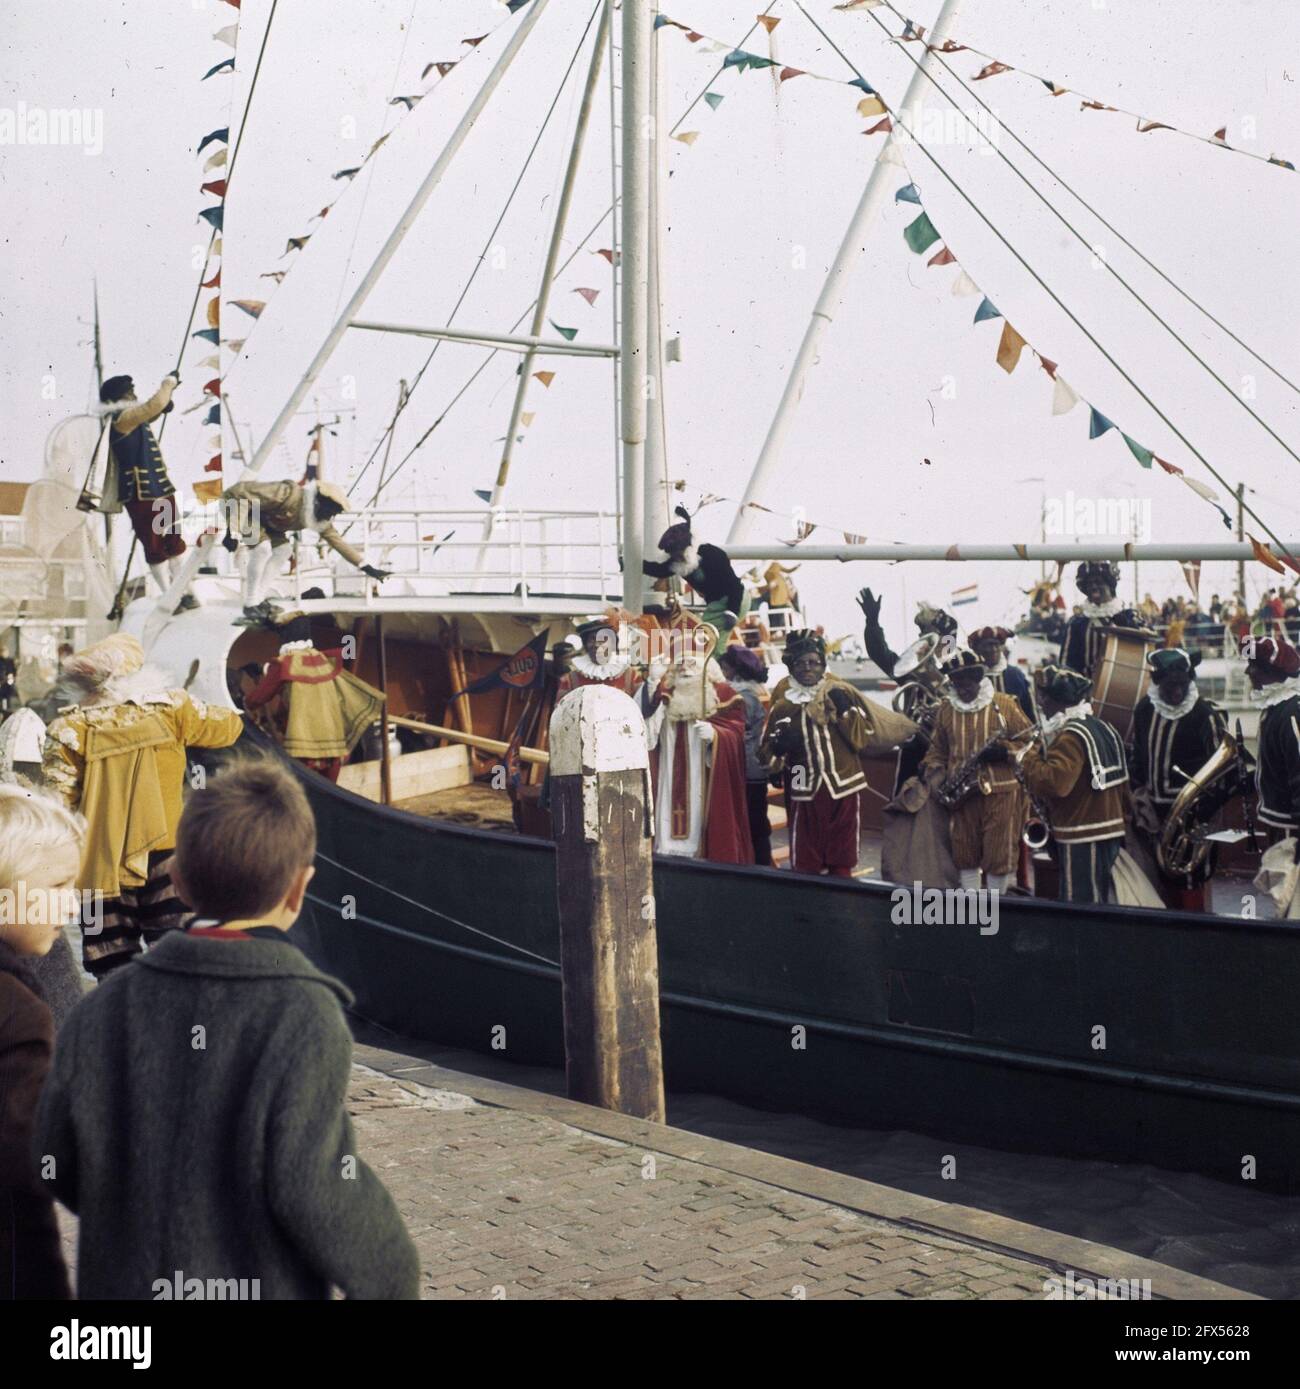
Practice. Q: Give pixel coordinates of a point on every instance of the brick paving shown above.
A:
(507, 1204)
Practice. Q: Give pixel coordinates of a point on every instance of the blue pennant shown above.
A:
(986, 310)
(907, 195)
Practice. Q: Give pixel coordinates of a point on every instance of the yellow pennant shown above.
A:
(871, 106)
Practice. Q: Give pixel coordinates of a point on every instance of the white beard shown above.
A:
(693, 696)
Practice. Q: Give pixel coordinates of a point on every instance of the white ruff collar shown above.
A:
(803, 694)
(611, 670)
(1099, 610)
(983, 698)
(1174, 711)
(1275, 694)
(1052, 726)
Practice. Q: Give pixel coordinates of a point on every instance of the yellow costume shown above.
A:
(122, 765)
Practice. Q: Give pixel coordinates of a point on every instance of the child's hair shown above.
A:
(31, 824)
(243, 839)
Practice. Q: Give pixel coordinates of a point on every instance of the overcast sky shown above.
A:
(757, 206)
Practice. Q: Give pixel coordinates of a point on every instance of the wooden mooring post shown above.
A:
(609, 953)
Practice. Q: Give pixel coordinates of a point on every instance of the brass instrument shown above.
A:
(1182, 849)
(961, 785)
(921, 682)
(1036, 833)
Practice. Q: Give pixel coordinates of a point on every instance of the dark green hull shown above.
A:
(449, 934)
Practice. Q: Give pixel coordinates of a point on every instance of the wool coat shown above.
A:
(31, 1260)
(196, 1115)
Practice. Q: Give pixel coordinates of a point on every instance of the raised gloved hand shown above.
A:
(870, 605)
(841, 700)
(229, 542)
(374, 572)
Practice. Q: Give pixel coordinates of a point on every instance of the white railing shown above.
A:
(435, 551)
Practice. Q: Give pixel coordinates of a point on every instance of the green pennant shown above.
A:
(714, 99)
(920, 235)
(1143, 456)
(568, 334)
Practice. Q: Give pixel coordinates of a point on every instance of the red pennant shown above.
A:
(1048, 366)
(991, 70)
(609, 255)
(213, 387)
(217, 187)
(1222, 133)
(788, 73)
(881, 127)
(588, 294)
(213, 465)
(214, 282)
(942, 257)
(1168, 467)
(474, 43)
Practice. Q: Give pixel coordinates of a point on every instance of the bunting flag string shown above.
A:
(1144, 124)
(210, 488)
(739, 60)
(407, 104)
(920, 234)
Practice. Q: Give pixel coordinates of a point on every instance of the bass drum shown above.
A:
(1121, 677)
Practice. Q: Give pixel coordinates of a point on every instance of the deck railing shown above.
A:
(436, 551)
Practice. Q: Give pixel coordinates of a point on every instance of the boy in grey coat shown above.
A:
(194, 1117)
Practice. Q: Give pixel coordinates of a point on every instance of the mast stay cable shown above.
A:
(1191, 448)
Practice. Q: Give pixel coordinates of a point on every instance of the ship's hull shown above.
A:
(1163, 1038)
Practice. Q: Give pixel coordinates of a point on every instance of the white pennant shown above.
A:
(1199, 488)
(213, 361)
(216, 160)
(964, 285)
(228, 35)
(1063, 397)
(890, 154)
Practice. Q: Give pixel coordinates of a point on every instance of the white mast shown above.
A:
(548, 274)
(656, 442)
(832, 293)
(633, 368)
(431, 181)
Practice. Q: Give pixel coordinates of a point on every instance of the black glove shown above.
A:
(374, 572)
(870, 605)
(842, 700)
(997, 752)
(169, 407)
(786, 739)
(230, 543)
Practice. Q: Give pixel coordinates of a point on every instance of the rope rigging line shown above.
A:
(424, 907)
(937, 53)
(1056, 299)
(478, 265)
(600, 222)
(115, 612)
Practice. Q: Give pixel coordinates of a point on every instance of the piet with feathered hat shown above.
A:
(706, 568)
(1084, 639)
(817, 729)
(990, 645)
(973, 725)
(1176, 730)
(1273, 668)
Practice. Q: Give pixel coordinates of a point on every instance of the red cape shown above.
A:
(726, 826)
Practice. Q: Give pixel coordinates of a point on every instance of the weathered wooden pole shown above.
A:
(609, 954)
(386, 756)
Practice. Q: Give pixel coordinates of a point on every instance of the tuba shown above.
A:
(1183, 849)
(921, 682)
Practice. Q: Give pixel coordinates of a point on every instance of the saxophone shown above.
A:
(961, 784)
